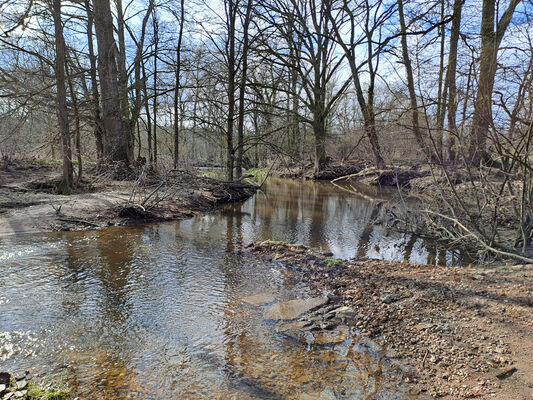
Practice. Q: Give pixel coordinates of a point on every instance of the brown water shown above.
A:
(155, 312)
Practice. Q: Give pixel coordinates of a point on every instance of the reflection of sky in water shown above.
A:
(323, 216)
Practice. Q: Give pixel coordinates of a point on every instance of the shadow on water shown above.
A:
(155, 311)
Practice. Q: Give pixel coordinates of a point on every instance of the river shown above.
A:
(155, 311)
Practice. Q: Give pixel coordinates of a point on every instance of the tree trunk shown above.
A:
(123, 82)
(410, 82)
(67, 178)
(148, 116)
(154, 115)
(77, 127)
(319, 131)
(450, 79)
(490, 44)
(231, 14)
(242, 91)
(177, 116)
(97, 118)
(442, 89)
(115, 143)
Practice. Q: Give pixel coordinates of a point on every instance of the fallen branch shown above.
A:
(479, 239)
(78, 221)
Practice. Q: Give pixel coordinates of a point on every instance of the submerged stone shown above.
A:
(310, 334)
(326, 394)
(259, 299)
(5, 378)
(292, 309)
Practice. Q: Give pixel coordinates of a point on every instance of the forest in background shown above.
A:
(246, 83)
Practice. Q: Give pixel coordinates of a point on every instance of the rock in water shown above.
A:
(5, 378)
(326, 394)
(292, 309)
(298, 331)
(259, 299)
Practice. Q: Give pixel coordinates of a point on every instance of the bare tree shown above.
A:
(62, 111)
(491, 37)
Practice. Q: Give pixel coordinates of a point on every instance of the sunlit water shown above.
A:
(155, 312)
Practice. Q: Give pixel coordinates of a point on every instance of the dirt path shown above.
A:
(460, 332)
(28, 204)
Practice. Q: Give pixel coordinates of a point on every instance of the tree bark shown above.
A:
(490, 44)
(242, 91)
(127, 128)
(449, 81)
(95, 101)
(177, 116)
(115, 143)
(61, 95)
(154, 104)
(231, 15)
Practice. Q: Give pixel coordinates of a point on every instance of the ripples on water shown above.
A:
(154, 311)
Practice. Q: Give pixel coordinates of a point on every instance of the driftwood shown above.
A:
(392, 176)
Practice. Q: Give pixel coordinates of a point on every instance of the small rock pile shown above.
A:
(14, 386)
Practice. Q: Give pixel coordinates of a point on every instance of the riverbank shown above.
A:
(28, 203)
(460, 332)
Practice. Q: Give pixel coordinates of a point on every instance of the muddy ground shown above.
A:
(461, 332)
(28, 202)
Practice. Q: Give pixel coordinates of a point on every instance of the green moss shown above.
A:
(272, 243)
(502, 268)
(258, 174)
(54, 392)
(333, 261)
(219, 174)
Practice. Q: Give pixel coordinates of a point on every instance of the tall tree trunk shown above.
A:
(231, 15)
(154, 115)
(77, 127)
(95, 101)
(115, 141)
(177, 93)
(490, 44)
(442, 89)
(411, 82)
(123, 81)
(242, 91)
(67, 178)
(450, 79)
(319, 131)
(138, 70)
(148, 116)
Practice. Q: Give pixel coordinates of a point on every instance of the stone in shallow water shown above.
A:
(5, 378)
(320, 337)
(292, 309)
(323, 337)
(258, 299)
(326, 394)
(294, 326)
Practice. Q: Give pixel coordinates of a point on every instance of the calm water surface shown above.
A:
(155, 312)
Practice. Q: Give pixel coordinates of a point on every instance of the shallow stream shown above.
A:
(156, 312)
